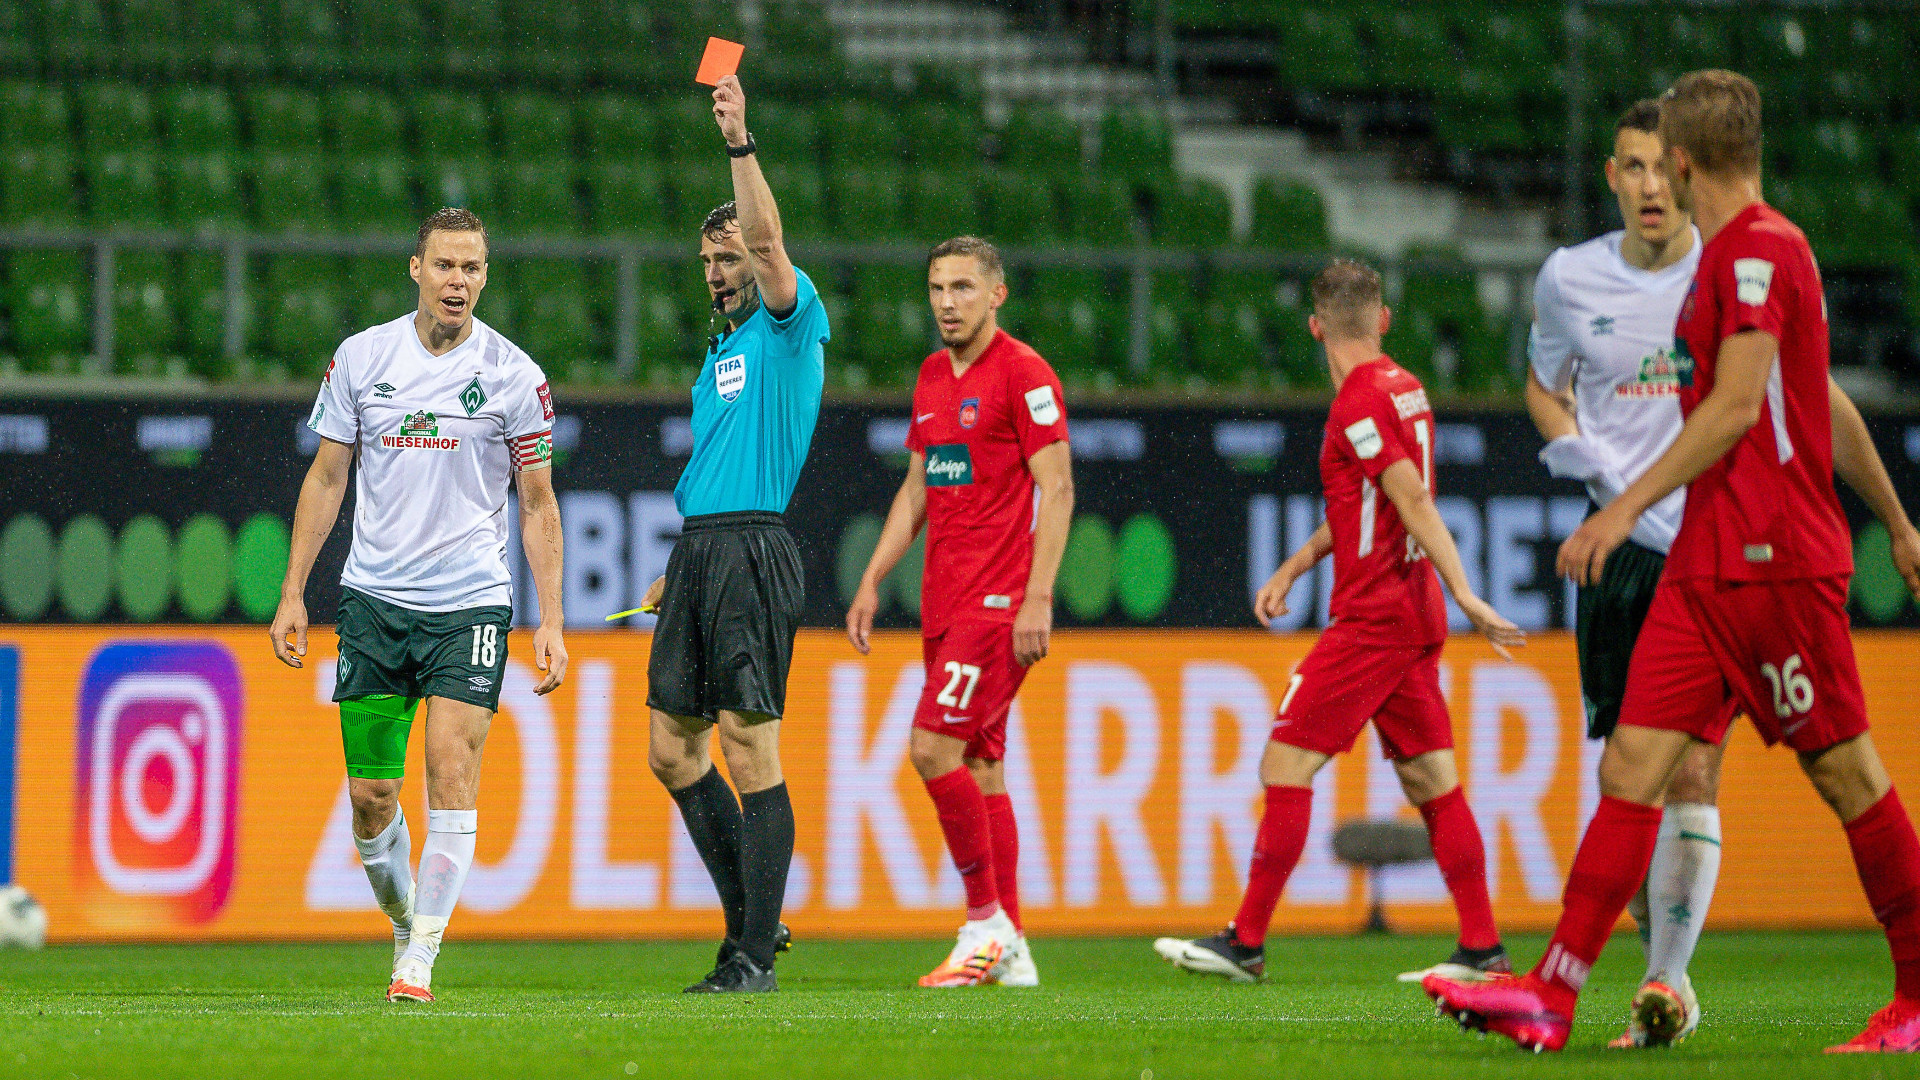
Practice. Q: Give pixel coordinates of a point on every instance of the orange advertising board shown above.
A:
(182, 784)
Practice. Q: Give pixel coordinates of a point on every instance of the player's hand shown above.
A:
(1584, 555)
(1503, 634)
(730, 110)
(1906, 558)
(290, 620)
(1271, 601)
(860, 613)
(651, 601)
(1032, 629)
(550, 656)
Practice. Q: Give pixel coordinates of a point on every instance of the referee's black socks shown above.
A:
(713, 822)
(766, 850)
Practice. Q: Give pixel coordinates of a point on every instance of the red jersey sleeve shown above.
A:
(1039, 409)
(1755, 286)
(1368, 427)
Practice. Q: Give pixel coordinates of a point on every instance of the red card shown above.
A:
(721, 60)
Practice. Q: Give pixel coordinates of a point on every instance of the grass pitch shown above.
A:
(1107, 1008)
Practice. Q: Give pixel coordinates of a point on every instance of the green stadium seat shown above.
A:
(284, 119)
(858, 131)
(463, 183)
(1440, 302)
(893, 325)
(1413, 48)
(689, 131)
(1229, 342)
(34, 115)
(143, 318)
(1288, 215)
(378, 290)
(1905, 147)
(203, 312)
(376, 195)
(290, 193)
(620, 127)
(228, 36)
(697, 187)
(73, 34)
(307, 37)
(391, 39)
(1196, 212)
(554, 321)
(1169, 315)
(1136, 143)
(938, 135)
(537, 198)
(196, 119)
(866, 201)
(36, 189)
(450, 125)
(206, 191)
(1082, 336)
(1774, 41)
(124, 190)
(1480, 112)
(943, 202)
(50, 298)
(801, 196)
(366, 122)
(664, 345)
(473, 39)
(1323, 49)
(793, 129)
(305, 317)
(1020, 208)
(1043, 141)
(1100, 212)
(627, 199)
(1866, 225)
(115, 116)
(1831, 148)
(800, 26)
(1513, 39)
(535, 126)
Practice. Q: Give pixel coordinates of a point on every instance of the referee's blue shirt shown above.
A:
(754, 407)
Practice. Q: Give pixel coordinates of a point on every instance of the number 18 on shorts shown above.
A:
(972, 678)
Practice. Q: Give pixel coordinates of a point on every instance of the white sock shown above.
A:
(386, 859)
(443, 869)
(1680, 881)
(1637, 907)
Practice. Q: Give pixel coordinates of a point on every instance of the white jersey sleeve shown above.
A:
(1550, 346)
(530, 419)
(335, 414)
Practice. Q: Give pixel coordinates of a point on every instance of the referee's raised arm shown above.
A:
(759, 217)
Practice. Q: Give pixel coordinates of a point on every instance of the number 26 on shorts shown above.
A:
(486, 646)
(1792, 690)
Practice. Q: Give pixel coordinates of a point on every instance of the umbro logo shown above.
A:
(480, 682)
(1602, 325)
(383, 390)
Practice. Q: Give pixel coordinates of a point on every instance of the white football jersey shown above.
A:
(1605, 328)
(439, 439)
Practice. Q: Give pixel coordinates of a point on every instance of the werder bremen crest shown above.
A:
(473, 397)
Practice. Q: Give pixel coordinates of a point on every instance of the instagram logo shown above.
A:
(158, 774)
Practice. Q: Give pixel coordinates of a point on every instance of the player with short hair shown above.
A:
(732, 596)
(1750, 611)
(990, 474)
(1379, 658)
(441, 412)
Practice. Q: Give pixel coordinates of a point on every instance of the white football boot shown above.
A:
(979, 947)
(1016, 966)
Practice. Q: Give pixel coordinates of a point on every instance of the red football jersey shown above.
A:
(1766, 511)
(977, 432)
(1382, 581)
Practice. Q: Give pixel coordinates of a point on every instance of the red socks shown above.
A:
(1006, 855)
(963, 818)
(1607, 871)
(1463, 864)
(1283, 836)
(1887, 856)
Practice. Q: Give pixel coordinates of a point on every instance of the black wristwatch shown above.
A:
(743, 151)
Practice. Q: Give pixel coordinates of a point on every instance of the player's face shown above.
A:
(451, 272)
(964, 295)
(1637, 174)
(728, 272)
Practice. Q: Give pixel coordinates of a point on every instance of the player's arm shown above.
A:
(1271, 601)
(540, 536)
(1722, 418)
(313, 519)
(1858, 462)
(753, 203)
(1402, 483)
(904, 518)
(1052, 470)
(1552, 413)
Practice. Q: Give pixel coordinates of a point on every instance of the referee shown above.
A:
(733, 591)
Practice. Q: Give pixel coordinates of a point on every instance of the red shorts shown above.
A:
(1780, 650)
(971, 680)
(1345, 682)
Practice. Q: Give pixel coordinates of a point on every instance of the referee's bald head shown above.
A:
(1347, 299)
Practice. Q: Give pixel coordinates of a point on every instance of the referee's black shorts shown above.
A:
(731, 605)
(1606, 625)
